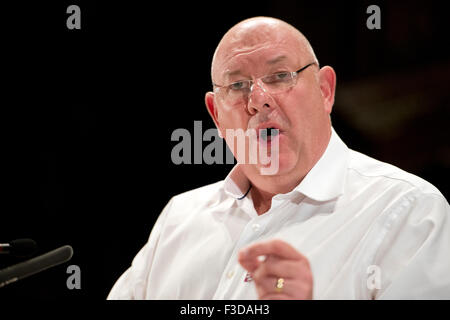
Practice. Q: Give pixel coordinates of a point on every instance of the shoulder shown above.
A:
(402, 205)
(389, 190)
(387, 175)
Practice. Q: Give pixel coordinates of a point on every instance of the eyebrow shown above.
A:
(232, 73)
(269, 62)
(277, 59)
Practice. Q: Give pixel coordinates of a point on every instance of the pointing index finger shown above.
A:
(276, 247)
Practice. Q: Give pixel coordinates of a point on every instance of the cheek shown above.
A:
(302, 107)
(232, 119)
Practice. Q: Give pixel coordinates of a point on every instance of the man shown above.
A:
(330, 223)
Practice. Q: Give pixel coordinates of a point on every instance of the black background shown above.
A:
(88, 114)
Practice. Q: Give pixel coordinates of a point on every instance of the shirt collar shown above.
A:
(325, 181)
(236, 183)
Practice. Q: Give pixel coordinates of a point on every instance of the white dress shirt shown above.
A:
(368, 229)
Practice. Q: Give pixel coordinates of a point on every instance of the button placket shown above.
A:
(230, 274)
(234, 272)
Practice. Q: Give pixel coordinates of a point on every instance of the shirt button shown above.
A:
(256, 227)
(230, 274)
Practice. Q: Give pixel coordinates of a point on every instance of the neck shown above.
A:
(265, 187)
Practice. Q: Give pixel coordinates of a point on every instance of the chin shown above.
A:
(285, 165)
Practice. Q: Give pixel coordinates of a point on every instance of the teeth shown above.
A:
(272, 132)
(263, 134)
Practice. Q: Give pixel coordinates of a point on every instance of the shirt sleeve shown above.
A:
(414, 257)
(132, 283)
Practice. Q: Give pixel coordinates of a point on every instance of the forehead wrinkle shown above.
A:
(242, 52)
(240, 47)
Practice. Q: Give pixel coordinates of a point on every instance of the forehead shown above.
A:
(256, 51)
(256, 61)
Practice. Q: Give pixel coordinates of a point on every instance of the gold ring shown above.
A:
(280, 285)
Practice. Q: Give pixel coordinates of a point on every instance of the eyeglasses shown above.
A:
(273, 84)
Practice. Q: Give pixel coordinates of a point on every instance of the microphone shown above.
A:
(35, 265)
(19, 247)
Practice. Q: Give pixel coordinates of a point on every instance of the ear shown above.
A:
(212, 110)
(327, 80)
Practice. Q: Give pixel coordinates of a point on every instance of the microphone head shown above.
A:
(22, 247)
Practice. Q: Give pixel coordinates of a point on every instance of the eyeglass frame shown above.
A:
(293, 74)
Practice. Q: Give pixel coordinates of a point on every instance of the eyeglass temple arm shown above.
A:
(301, 69)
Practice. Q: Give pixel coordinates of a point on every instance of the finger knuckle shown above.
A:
(257, 276)
(277, 243)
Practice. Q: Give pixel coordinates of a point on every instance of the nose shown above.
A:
(259, 99)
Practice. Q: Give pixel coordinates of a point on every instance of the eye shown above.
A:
(282, 76)
(278, 77)
(239, 85)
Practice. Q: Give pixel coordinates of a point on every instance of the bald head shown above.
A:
(256, 33)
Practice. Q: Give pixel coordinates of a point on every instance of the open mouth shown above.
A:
(268, 133)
